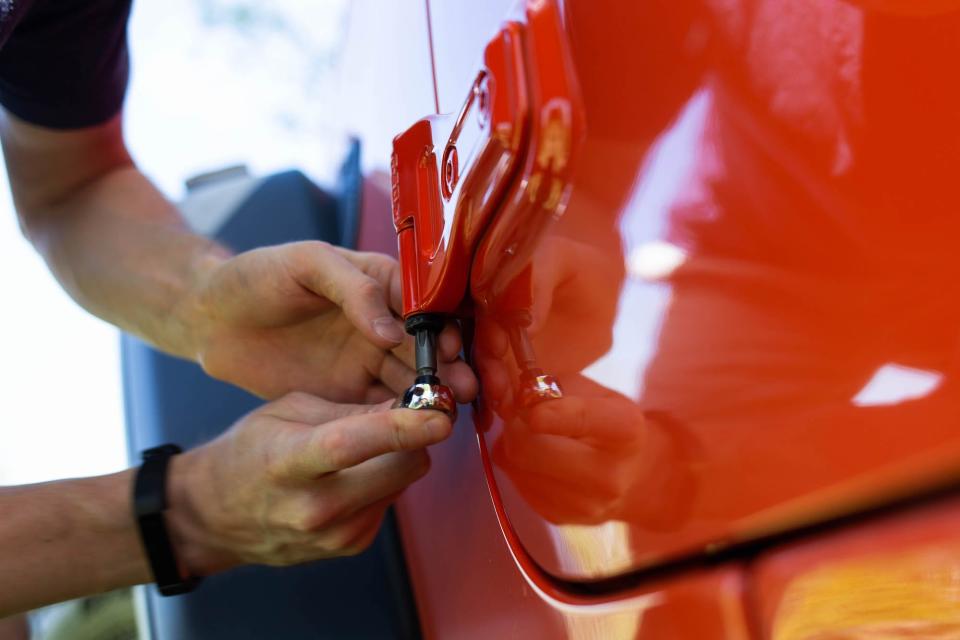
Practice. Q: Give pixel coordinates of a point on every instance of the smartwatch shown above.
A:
(149, 503)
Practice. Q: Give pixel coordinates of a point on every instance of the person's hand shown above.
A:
(594, 456)
(298, 479)
(311, 317)
(586, 457)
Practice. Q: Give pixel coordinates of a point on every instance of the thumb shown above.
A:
(348, 441)
(309, 409)
(323, 270)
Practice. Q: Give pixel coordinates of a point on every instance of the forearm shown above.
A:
(122, 252)
(297, 480)
(114, 242)
(66, 539)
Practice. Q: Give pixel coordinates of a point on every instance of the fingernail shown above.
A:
(388, 329)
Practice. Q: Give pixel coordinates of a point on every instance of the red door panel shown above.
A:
(891, 577)
(745, 291)
(468, 584)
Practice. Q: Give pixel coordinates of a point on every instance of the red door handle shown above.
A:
(507, 153)
(450, 171)
(499, 169)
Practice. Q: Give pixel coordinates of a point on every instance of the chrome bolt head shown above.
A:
(429, 395)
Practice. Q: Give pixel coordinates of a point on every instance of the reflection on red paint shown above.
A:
(887, 579)
(712, 337)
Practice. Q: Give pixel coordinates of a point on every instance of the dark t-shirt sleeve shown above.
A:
(65, 65)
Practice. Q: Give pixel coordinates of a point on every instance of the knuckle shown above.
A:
(398, 432)
(276, 467)
(367, 287)
(279, 462)
(303, 523)
(311, 247)
(297, 253)
(335, 447)
(318, 515)
(385, 266)
(383, 260)
(301, 257)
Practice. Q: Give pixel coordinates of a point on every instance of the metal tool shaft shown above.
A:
(425, 350)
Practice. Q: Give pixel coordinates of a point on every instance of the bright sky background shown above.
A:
(215, 82)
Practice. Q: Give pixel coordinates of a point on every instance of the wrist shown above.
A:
(190, 516)
(192, 317)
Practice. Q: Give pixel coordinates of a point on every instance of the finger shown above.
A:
(355, 533)
(309, 409)
(380, 394)
(449, 343)
(382, 268)
(347, 442)
(405, 351)
(396, 374)
(327, 272)
(373, 480)
(461, 379)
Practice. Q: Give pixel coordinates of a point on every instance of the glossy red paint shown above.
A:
(470, 582)
(890, 577)
(500, 278)
(748, 299)
(751, 330)
(448, 174)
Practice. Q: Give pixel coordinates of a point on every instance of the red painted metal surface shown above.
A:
(748, 299)
(752, 328)
(471, 577)
(449, 172)
(500, 278)
(472, 582)
(891, 577)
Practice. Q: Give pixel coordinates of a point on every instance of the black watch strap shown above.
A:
(149, 503)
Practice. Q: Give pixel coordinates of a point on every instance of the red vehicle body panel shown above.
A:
(470, 582)
(747, 292)
(889, 577)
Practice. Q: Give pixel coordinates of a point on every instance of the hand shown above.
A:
(312, 317)
(298, 479)
(593, 456)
